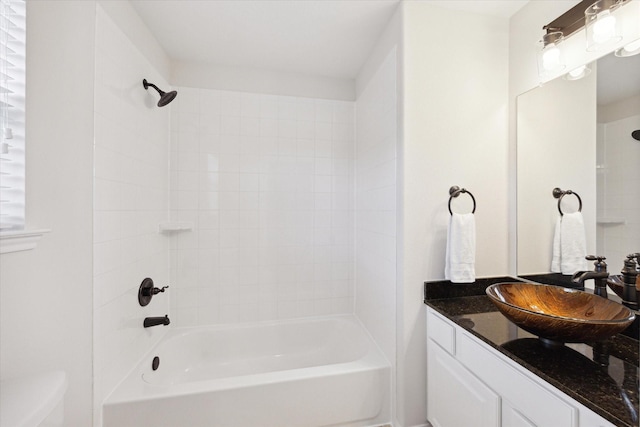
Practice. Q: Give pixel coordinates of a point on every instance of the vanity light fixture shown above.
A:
(599, 21)
(629, 49)
(550, 58)
(588, 14)
(601, 26)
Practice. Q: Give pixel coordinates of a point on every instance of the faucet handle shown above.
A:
(599, 263)
(632, 263)
(156, 291)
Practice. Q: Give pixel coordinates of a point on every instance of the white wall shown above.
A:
(455, 133)
(378, 132)
(375, 221)
(46, 294)
(127, 19)
(131, 199)
(267, 182)
(390, 38)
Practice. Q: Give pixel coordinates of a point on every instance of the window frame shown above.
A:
(13, 233)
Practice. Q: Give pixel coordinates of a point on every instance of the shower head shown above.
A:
(165, 97)
(636, 135)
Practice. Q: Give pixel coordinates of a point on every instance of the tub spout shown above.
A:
(155, 321)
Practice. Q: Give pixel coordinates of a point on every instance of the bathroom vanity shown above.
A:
(483, 370)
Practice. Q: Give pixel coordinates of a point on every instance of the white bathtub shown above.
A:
(318, 372)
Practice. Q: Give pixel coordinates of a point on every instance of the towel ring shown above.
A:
(455, 191)
(559, 194)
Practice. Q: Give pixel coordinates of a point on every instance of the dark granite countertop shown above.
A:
(602, 376)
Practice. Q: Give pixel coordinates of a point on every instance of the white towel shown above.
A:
(555, 257)
(461, 249)
(569, 245)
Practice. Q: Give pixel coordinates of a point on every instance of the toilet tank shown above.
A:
(33, 400)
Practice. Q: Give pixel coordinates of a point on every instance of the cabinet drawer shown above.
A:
(526, 397)
(441, 331)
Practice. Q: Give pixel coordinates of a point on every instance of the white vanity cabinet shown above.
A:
(470, 383)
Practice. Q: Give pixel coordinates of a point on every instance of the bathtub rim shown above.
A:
(175, 331)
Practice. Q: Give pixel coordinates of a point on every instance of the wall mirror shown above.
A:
(577, 135)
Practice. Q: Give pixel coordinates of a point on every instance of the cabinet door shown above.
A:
(589, 418)
(511, 417)
(454, 396)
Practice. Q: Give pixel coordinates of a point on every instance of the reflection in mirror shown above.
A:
(577, 135)
(618, 159)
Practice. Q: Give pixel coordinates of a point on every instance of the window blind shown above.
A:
(12, 114)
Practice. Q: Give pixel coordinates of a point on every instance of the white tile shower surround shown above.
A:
(267, 182)
(131, 179)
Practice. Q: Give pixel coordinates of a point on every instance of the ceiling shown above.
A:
(329, 38)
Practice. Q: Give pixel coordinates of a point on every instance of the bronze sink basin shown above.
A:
(559, 315)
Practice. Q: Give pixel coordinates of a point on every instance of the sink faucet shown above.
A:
(629, 276)
(599, 276)
(155, 321)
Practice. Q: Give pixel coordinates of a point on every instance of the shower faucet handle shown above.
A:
(147, 291)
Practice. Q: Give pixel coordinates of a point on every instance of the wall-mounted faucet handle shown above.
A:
(157, 291)
(147, 290)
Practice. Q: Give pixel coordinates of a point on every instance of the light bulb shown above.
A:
(578, 71)
(551, 57)
(632, 47)
(604, 27)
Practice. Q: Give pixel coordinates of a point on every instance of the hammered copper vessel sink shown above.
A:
(559, 314)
